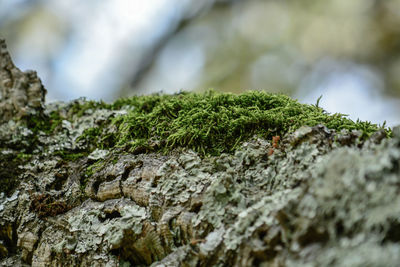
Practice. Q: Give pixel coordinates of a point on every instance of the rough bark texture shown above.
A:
(21, 93)
(316, 197)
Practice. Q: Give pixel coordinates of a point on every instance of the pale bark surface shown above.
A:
(318, 198)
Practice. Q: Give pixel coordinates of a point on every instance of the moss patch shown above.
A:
(209, 123)
(80, 106)
(212, 122)
(47, 124)
(70, 155)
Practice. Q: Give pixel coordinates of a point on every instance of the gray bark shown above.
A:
(318, 198)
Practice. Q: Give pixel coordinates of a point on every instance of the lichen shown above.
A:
(194, 179)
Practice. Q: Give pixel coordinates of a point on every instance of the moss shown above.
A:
(95, 167)
(209, 123)
(90, 170)
(80, 106)
(70, 155)
(97, 137)
(23, 156)
(213, 123)
(45, 123)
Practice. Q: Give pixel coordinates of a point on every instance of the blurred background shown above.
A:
(346, 51)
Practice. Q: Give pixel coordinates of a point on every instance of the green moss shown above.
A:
(47, 124)
(212, 123)
(23, 156)
(80, 106)
(95, 167)
(96, 137)
(90, 170)
(70, 155)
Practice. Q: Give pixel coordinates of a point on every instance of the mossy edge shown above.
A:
(211, 122)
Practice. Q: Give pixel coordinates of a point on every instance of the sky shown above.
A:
(90, 48)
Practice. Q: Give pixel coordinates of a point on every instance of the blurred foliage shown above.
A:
(226, 45)
(274, 45)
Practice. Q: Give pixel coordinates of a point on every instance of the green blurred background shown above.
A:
(346, 51)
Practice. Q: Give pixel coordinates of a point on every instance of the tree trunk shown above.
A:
(71, 194)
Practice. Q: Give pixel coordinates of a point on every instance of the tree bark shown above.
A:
(313, 197)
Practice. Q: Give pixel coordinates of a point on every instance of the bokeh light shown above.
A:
(346, 51)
